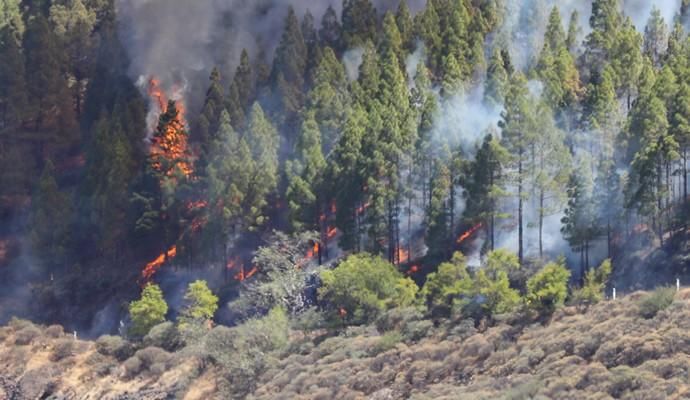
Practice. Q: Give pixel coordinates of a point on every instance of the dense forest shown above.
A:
(396, 137)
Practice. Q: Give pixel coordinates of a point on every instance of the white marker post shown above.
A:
(677, 285)
(75, 335)
(614, 293)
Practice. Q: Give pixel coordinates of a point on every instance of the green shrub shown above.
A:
(148, 311)
(592, 291)
(388, 341)
(364, 286)
(656, 301)
(114, 346)
(548, 288)
(201, 303)
(450, 282)
(165, 336)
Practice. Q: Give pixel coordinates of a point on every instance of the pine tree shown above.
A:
(428, 28)
(655, 37)
(601, 110)
(403, 19)
(484, 186)
(574, 31)
(438, 232)
(578, 220)
(680, 129)
(230, 178)
(391, 40)
(626, 60)
(329, 98)
(288, 73)
(50, 105)
(605, 21)
(497, 80)
(359, 22)
(345, 175)
(13, 101)
(263, 142)
(50, 220)
(305, 177)
(608, 200)
(148, 311)
(516, 127)
(552, 164)
(330, 32)
(210, 112)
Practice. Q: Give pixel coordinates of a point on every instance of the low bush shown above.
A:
(165, 336)
(387, 341)
(55, 331)
(656, 301)
(26, 335)
(154, 359)
(114, 346)
(62, 349)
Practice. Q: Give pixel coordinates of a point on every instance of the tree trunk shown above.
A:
(541, 223)
(520, 252)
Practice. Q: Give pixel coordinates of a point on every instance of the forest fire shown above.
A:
(241, 275)
(469, 233)
(170, 142)
(403, 255)
(153, 267)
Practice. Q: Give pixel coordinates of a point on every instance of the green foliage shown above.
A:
(656, 301)
(364, 286)
(548, 288)
(201, 303)
(592, 291)
(244, 351)
(148, 311)
(449, 283)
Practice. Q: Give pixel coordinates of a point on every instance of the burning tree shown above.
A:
(167, 176)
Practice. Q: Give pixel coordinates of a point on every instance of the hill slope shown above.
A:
(608, 351)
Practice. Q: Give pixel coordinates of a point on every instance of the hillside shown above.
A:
(607, 351)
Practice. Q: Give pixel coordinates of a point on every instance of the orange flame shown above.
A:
(331, 232)
(413, 270)
(153, 267)
(403, 255)
(469, 233)
(172, 146)
(360, 210)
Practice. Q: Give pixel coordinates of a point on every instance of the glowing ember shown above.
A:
(332, 232)
(469, 233)
(153, 267)
(242, 275)
(413, 270)
(360, 210)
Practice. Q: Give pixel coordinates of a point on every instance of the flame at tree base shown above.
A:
(153, 267)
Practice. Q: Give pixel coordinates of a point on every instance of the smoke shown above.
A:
(464, 119)
(352, 59)
(639, 10)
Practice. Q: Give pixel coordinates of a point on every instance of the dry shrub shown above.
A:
(26, 335)
(154, 359)
(38, 383)
(62, 348)
(656, 301)
(132, 367)
(114, 346)
(55, 331)
(477, 346)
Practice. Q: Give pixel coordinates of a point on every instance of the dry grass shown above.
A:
(609, 351)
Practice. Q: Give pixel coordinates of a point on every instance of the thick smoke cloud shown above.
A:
(180, 41)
